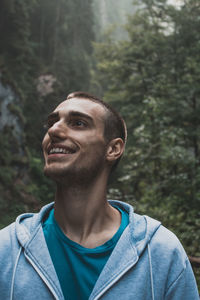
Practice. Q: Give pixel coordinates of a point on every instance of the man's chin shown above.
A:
(69, 176)
(52, 173)
(58, 174)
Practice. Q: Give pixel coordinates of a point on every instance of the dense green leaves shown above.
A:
(153, 78)
(44, 54)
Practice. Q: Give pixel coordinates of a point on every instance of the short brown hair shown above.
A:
(114, 125)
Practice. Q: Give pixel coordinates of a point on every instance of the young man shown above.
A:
(83, 246)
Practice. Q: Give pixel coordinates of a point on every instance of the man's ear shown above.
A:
(115, 149)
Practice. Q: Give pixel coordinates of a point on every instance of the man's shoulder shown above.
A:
(162, 240)
(158, 232)
(8, 235)
(147, 230)
(164, 243)
(8, 242)
(25, 221)
(5, 233)
(167, 238)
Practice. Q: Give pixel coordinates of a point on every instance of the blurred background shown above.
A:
(143, 57)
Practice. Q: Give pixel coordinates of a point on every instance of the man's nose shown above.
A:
(58, 131)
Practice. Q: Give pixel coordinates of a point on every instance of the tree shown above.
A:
(153, 78)
(44, 55)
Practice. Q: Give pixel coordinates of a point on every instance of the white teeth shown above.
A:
(60, 150)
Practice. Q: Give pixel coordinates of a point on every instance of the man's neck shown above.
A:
(84, 214)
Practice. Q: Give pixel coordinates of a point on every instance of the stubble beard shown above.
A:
(77, 175)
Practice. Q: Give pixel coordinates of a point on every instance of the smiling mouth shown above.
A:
(59, 150)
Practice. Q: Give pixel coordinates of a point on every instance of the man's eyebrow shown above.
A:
(53, 115)
(74, 113)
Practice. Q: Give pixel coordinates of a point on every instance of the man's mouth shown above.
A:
(60, 150)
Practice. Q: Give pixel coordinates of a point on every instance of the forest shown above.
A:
(142, 57)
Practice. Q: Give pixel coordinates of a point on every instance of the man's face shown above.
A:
(74, 145)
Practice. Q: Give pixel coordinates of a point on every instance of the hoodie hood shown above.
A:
(141, 228)
(139, 231)
(129, 248)
(28, 223)
(134, 269)
(133, 241)
(32, 242)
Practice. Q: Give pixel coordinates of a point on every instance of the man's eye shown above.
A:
(78, 123)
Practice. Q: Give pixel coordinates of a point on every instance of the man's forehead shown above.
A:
(82, 105)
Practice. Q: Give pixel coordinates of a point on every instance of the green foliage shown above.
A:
(111, 15)
(153, 79)
(38, 37)
(61, 35)
(42, 188)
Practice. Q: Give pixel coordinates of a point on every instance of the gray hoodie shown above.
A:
(148, 263)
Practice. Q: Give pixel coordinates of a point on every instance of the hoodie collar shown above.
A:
(30, 235)
(130, 246)
(27, 224)
(126, 253)
(141, 228)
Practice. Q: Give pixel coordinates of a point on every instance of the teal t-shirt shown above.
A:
(77, 267)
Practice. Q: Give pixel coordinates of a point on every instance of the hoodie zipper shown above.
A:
(42, 276)
(151, 272)
(14, 272)
(114, 280)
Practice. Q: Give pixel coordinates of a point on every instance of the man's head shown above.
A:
(114, 124)
(84, 136)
